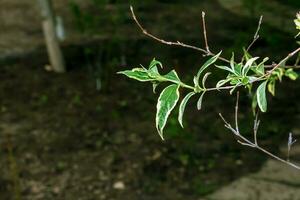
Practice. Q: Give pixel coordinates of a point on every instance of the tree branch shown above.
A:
(255, 128)
(245, 142)
(205, 51)
(256, 36)
(204, 33)
(178, 43)
(281, 62)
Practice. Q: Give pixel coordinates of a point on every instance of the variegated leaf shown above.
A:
(166, 102)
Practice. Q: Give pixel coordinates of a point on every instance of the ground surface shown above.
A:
(273, 181)
(60, 138)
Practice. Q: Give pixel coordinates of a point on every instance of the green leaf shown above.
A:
(182, 107)
(222, 82)
(199, 103)
(271, 87)
(279, 72)
(153, 69)
(254, 103)
(205, 78)
(261, 96)
(154, 86)
(153, 72)
(155, 63)
(172, 76)
(252, 79)
(138, 74)
(235, 81)
(247, 56)
(245, 80)
(207, 64)
(248, 65)
(237, 69)
(233, 89)
(261, 66)
(225, 68)
(260, 69)
(291, 74)
(165, 104)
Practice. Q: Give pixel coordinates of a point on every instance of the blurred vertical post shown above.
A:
(52, 43)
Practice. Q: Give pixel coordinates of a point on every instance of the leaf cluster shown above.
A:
(246, 73)
(169, 96)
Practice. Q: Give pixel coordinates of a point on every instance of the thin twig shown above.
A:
(263, 77)
(297, 61)
(246, 144)
(258, 27)
(244, 141)
(256, 35)
(284, 67)
(178, 43)
(260, 148)
(255, 128)
(204, 33)
(236, 112)
(280, 63)
(224, 120)
(170, 42)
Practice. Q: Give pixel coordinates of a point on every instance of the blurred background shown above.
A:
(89, 134)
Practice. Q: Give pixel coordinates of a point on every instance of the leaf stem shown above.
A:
(163, 79)
(187, 86)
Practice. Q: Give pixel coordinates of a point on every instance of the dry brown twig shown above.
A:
(206, 51)
(204, 33)
(246, 142)
(274, 67)
(178, 43)
(256, 35)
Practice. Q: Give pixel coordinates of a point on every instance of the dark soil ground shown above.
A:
(61, 139)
